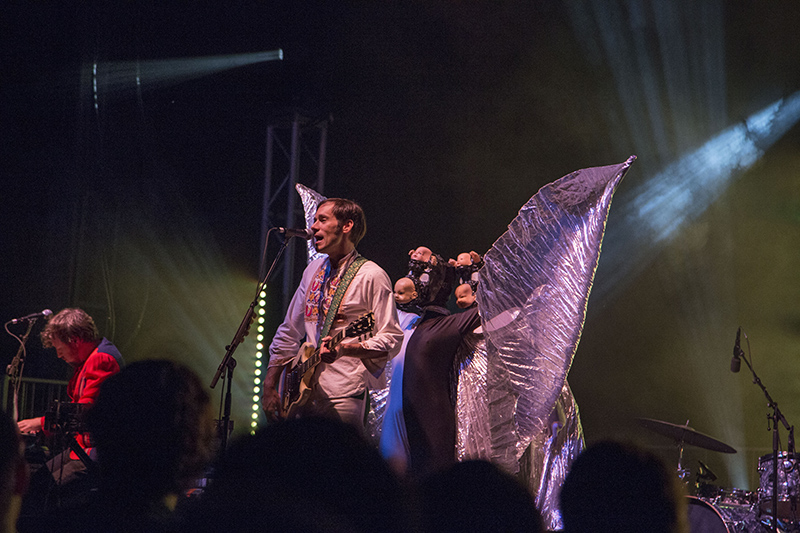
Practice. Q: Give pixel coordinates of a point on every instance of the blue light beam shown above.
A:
(651, 213)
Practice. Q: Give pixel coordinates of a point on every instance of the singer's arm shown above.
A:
(285, 344)
(271, 400)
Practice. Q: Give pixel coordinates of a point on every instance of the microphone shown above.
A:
(736, 363)
(297, 232)
(33, 316)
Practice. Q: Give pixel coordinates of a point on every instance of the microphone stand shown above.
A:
(228, 363)
(776, 417)
(14, 369)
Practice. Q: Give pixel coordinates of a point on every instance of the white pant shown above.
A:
(349, 410)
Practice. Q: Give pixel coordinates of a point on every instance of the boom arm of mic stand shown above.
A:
(776, 417)
(772, 404)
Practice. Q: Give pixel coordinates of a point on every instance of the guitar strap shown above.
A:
(348, 276)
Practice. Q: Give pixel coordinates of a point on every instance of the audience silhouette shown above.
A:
(13, 474)
(303, 475)
(153, 430)
(616, 487)
(476, 496)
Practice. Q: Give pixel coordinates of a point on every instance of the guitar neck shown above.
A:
(314, 359)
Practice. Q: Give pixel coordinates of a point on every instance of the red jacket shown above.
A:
(85, 383)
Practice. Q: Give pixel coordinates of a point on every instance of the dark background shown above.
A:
(142, 202)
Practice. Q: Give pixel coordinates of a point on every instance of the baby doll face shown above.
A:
(464, 296)
(463, 259)
(421, 254)
(404, 291)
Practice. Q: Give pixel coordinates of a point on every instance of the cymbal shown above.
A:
(685, 435)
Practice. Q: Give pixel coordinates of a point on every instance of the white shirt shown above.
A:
(370, 290)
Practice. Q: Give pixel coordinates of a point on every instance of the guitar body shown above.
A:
(296, 381)
(297, 378)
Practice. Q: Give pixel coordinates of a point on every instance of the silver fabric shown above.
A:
(377, 407)
(533, 293)
(549, 456)
(547, 460)
(473, 435)
(514, 405)
(311, 199)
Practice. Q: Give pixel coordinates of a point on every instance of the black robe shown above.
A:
(427, 406)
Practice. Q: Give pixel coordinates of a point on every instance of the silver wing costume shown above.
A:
(514, 405)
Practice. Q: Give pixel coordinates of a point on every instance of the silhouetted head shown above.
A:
(303, 475)
(13, 473)
(621, 488)
(153, 427)
(477, 496)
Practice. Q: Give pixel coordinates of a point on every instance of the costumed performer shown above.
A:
(428, 408)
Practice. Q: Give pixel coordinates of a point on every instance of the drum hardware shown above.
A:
(705, 473)
(732, 497)
(714, 509)
(707, 516)
(773, 511)
(788, 484)
(732, 511)
(685, 435)
(702, 486)
(706, 491)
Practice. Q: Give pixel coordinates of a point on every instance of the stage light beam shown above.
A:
(651, 214)
(118, 77)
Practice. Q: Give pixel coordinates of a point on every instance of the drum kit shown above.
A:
(716, 510)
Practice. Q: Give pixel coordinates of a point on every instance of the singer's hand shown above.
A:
(325, 353)
(271, 404)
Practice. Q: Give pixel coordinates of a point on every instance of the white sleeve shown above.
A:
(388, 335)
(291, 333)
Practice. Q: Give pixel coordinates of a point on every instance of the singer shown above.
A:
(340, 382)
(75, 337)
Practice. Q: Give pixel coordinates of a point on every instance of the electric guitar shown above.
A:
(296, 380)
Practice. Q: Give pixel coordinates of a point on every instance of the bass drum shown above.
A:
(707, 517)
